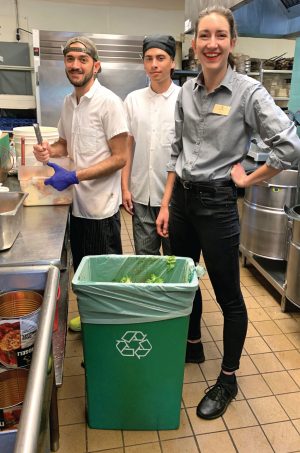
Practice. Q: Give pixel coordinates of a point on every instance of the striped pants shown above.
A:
(146, 239)
(94, 237)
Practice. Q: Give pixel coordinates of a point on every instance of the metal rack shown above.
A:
(273, 270)
(260, 75)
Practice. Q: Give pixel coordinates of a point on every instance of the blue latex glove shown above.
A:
(62, 178)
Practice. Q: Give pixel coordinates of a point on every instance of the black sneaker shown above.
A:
(194, 353)
(216, 400)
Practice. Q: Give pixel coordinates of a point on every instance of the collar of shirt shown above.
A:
(165, 94)
(227, 82)
(89, 94)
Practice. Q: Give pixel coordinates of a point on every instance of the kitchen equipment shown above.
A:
(32, 435)
(19, 317)
(50, 134)
(293, 266)
(264, 222)
(11, 214)
(242, 63)
(32, 180)
(271, 62)
(120, 57)
(38, 134)
(12, 391)
(22, 150)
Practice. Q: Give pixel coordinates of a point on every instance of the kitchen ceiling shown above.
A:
(150, 4)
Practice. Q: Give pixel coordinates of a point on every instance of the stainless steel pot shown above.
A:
(293, 266)
(264, 222)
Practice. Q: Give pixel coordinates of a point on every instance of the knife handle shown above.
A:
(38, 134)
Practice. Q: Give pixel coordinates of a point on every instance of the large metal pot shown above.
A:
(293, 266)
(264, 222)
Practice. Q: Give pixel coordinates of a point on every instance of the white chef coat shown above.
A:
(87, 127)
(151, 122)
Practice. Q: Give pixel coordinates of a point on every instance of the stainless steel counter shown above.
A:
(43, 241)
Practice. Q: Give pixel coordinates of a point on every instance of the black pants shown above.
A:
(94, 237)
(204, 219)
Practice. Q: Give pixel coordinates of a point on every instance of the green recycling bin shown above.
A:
(134, 313)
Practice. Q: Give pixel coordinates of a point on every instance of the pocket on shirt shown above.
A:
(167, 136)
(86, 140)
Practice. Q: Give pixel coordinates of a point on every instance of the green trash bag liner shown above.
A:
(102, 299)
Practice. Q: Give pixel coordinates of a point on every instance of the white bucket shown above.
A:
(49, 134)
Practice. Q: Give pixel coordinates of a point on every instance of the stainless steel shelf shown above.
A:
(16, 68)
(277, 71)
(16, 101)
(273, 270)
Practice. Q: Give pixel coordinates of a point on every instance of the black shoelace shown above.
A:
(218, 391)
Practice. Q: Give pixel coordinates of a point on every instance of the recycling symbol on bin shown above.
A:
(134, 344)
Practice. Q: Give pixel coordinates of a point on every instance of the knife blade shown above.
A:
(38, 135)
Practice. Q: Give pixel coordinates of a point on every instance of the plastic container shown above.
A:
(49, 134)
(32, 180)
(134, 338)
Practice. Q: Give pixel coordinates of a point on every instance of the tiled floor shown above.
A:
(265, 417)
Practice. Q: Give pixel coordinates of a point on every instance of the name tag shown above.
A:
(220, 109)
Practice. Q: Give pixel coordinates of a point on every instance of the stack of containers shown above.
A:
(19, 317)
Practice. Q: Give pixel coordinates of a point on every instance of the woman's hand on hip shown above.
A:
(238, 175)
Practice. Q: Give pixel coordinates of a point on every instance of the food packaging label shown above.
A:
(16, 341)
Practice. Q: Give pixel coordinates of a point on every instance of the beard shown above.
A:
(85, 79)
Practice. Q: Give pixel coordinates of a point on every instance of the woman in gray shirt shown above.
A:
(216, 114)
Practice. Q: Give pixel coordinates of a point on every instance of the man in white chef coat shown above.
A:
(94, 133)
(150, 115)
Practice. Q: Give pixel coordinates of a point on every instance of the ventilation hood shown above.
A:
(269, 18)
(256, 18)
(193, 7)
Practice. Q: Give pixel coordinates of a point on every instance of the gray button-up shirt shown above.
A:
(213, 131)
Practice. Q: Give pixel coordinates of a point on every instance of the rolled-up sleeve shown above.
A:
(276, 130)
(177, 141)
